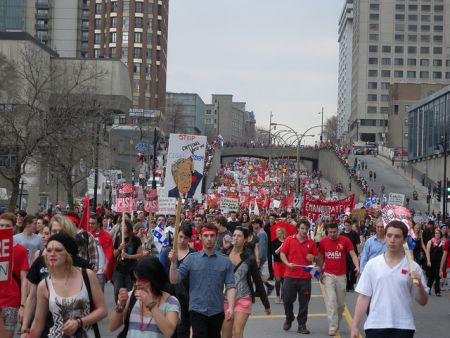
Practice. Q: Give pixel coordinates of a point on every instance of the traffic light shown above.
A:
(439, 190)
(448, 190)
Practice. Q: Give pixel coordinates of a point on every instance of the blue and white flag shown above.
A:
(313, 270)
(159, 234)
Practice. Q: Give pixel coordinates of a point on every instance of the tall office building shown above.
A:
(134, 31)
(345, 69)
(398, 41)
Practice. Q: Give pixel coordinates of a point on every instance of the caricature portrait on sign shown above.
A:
(185, 160)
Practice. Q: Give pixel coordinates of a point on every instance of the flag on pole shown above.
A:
(160, 235)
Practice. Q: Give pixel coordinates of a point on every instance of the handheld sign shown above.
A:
(6, 255)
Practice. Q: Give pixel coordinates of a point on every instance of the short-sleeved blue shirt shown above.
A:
(207, 277)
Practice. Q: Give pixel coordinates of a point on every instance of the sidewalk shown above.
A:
(406, 173)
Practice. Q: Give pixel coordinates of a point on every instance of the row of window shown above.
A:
(137, 38)
(413, 8)
(410, 37)
(414, 17)
(401, 49)
(138, 22)
(138, 7)
(136, 55)
(424, 28)
(410, 74)
(409, 62)
(374, 110)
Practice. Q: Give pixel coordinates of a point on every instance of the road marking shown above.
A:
(346, 313)
(283, 316)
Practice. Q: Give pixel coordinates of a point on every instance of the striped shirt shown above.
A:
(150, 330)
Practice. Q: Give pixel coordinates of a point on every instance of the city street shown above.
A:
(431, 319)
(395, 180)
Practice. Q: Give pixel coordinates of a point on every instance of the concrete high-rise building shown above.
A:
(134, 31)
(229, 119)
(62, 25)
(399, 41)
(345, 69)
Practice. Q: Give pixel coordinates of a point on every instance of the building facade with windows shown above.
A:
(345, 70)
(229, 119)
(185, 114)
(134, 31)
(401, 41)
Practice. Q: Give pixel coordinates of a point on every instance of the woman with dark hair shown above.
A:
(127, 253)
(180, 290)
(148, 311)
(246, 273)
(434, 254)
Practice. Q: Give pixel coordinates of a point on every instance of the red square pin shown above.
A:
(404, 271)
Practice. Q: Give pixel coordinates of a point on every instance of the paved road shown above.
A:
(395, 180)
(433, 318)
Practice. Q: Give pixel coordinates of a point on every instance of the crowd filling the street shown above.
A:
(198, 270)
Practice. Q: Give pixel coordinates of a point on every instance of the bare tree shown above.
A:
(49, 117)
(79, 114)
(177, 120)
(330, 129)
(26, 86)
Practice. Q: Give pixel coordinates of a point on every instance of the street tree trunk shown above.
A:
(14, 193)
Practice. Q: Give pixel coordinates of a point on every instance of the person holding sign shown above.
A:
(185, 177)
(14, 292)
(389, 285)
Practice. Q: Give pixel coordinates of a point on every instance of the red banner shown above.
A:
(313, 207)
(6, 255)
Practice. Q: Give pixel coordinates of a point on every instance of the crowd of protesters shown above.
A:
(209, 283)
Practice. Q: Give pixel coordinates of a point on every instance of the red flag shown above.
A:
(267, 202)
(86, 213)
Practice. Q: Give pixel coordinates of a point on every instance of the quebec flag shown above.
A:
(313, 270)
(159, 234)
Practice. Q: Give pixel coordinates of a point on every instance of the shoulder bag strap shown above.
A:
(88, 288)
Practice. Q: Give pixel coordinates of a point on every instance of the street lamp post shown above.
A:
(321, 128)
(299, 141)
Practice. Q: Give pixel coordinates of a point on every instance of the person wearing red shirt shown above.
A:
(105, 250)
(297, 250)
(14, 293)
(445, 262)
(196, 241)
(332, 256)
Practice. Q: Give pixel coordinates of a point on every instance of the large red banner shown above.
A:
(151, 200)
(6, 255)
(313, 207)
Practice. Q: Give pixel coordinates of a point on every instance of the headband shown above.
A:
(208, 230)
(73, 219)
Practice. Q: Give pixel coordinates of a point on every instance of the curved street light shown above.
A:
(299, 141)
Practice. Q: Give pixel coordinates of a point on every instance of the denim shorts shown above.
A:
(9, 315)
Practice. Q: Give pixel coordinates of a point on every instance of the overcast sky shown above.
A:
(275, 55)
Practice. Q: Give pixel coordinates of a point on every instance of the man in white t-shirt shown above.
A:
(28, 237)
(389, 286)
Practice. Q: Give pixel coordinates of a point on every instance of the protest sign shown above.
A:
(167, 205)
(313, 207)
(151, 200)
(396, 199)
(6, 255)
(185, 162)
(126, 197)
(229, 204)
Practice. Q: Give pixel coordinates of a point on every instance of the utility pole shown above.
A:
(321, 129)
(270, 128)
(155, 143)
(21, 194)
(97, 144)
(444, 194)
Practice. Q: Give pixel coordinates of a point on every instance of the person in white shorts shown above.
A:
(389, 286)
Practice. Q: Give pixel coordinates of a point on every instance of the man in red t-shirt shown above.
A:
(297, 250)
(13, 295)
(196, 241)
(332, 254)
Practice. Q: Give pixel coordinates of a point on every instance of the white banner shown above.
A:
(396, 199)
(185, 161)
(167, 205)
(229, 204)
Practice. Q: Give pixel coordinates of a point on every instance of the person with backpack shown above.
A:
(13, 295)
(75, 311)
(148, 311)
